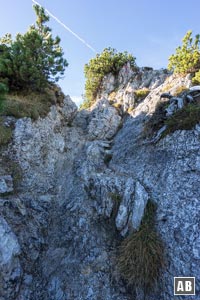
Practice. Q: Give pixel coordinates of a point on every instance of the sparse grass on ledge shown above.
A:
(180, 90)
(141, 255)
(167, 87)
(32, 105)
(184, 119)
(141, 94)
(28, 104)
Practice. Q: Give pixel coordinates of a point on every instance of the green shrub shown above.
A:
(196, 78)
(109, 61)
(33, 59)
(187, 57)
(184, 119)
(141, 254)
(3, 92)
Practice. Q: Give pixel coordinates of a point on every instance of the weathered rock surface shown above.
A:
(85, 182)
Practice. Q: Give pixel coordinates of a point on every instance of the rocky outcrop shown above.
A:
(84, 180)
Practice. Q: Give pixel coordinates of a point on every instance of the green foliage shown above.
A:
(141, 254)
(109, 61)
(32, 59)
(3, 92)
(184, 119)
(187, 57)
(196, 78)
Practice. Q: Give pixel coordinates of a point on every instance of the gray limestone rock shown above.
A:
(6, 184)
(60, 232)
(105, 121)
(10, 269)
(140, 201)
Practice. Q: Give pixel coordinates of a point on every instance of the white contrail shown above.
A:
(67, 28)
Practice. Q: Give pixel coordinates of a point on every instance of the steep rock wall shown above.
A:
(85, 180)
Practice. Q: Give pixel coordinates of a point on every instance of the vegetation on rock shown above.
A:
(33, 59)
(141, 93)
(29, 67)
(21, 104)
(187, 57)
(180, 89)
(109, 61)
(141, 256)
(3, 92)
(183, 119)
(5, 135)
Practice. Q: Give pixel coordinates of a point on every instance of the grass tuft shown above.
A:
(141, 254)
(180, 90)
(141, 94)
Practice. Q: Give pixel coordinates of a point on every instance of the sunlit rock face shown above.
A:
(80, 186)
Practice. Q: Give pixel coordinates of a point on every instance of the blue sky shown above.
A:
(150, 30)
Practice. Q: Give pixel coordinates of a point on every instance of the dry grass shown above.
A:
(141, 93)
(5, 135)
(130, 109)
(29, 104)
(141, 254)
(112, 96)
(117, 105)
(180, 90)
(167, 87)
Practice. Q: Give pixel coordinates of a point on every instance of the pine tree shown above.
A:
(109, 61)
(187, 57)
(33, 59)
